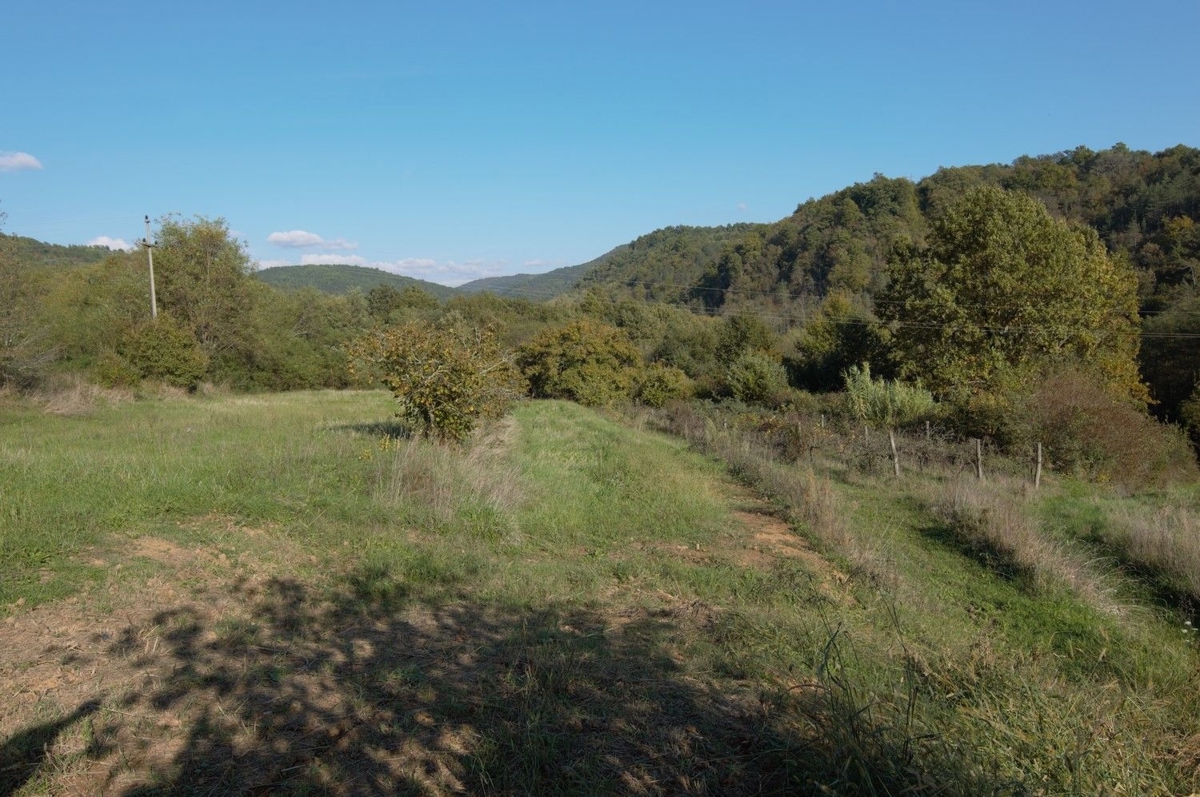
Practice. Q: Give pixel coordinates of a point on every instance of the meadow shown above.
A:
(286, 593)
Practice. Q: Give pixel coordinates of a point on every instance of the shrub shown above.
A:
(658, 384)
(757, 378)
(585, 361)
(446, 377)
(882, 402)
(113, 370)
(1086, 430)
(164, 350)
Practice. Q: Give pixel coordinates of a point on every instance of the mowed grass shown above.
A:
(68, 484)
(566, 606)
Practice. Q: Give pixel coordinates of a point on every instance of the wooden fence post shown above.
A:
(979, 458)
(895, 456)
(1037, 471)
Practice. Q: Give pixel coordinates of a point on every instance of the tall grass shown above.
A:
(994, 521)
(808, 499)
(444, 488)
(882, 402)
(1164, 540)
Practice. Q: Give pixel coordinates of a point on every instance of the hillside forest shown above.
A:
(976, 286)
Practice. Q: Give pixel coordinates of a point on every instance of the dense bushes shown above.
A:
(584, 361)
(1086, 430)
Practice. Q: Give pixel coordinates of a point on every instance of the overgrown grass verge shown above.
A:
(993, 521)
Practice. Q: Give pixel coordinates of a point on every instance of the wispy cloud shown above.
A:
(302, 239)
(332, 260)
(112, 243)
(273, 263)
(18, 161)
(445, 272)
(741, 207)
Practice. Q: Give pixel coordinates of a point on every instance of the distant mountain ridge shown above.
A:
(339, 279)
(540, 287)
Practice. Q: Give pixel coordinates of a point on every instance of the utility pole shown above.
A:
(150, 257)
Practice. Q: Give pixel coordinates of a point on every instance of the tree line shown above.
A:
(979, 285)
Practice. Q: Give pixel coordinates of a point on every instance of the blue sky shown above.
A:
(452, 140)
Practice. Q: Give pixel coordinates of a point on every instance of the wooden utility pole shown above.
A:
(150, 258)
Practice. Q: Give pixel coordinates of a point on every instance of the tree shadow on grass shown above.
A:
(367, 692)
(23, 754)
(390, 430)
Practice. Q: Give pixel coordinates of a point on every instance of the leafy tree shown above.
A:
(387, 304)
(1003, 288)
(23, 344)
(584, 361)
(203, 280)
(844, 334)
(446, 376)
(93, 308)
(1170, 360)
(743, 333)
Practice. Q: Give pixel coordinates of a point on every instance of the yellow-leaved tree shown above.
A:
(447, 376)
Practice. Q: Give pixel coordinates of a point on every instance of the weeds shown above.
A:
(992, 521)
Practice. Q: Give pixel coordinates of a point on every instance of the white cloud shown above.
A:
(332, 260)
(273, 263)
(18, 161)
(741, 207)
(302, 239)
(445, 272)
(112, 243)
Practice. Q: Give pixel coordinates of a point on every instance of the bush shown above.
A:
(164, 350)
(1085, 430)
(585, 361)
(884, 403)
(658, 384)
(446, 377)
(757, 378)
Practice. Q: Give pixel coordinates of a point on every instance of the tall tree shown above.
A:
(203, 275)
(1003, 288)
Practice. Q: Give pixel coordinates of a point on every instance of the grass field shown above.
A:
(283, 594)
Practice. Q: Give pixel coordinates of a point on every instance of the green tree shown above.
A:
(843, 334)
(24, 349)
(446, 376)
(1002, 290)
(203, 280)
(756, 378)
(584, 361)
(743, 333)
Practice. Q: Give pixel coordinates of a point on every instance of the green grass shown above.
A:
(569, 605)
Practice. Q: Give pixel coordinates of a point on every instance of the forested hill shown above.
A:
(340, 279)
(33, 252)
(1144, 206)
(535, 287)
